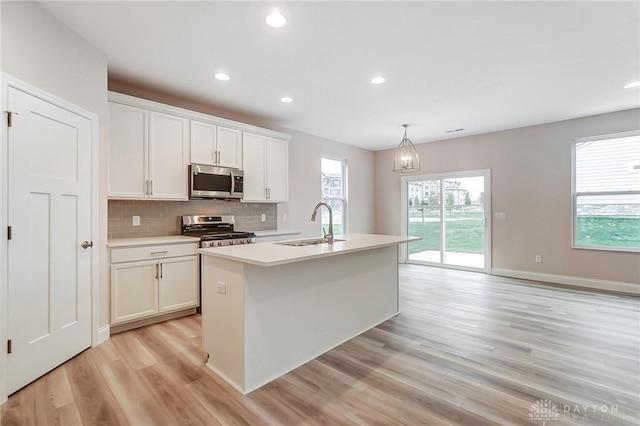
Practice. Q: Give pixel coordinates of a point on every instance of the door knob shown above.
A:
(86, 244)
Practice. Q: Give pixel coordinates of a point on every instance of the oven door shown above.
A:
(214, 182)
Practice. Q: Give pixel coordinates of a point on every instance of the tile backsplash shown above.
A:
(162, 218)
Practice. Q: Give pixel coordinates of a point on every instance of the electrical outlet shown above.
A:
(135, 221)
(538, 258)
(263, 217)
(284, 217)
(501, 215)
(221, 287)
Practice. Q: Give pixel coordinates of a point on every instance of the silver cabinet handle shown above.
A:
(157, 268)
(146, 187)
(86, 244)
(162, 270)
(156, 253)
(151, 192)
(218, 157)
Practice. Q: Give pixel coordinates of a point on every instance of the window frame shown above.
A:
(575, 195)
(344, 197)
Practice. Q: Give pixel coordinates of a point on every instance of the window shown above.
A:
(606, 192)
(334, 193)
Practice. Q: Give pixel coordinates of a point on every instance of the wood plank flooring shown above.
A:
(467, 349)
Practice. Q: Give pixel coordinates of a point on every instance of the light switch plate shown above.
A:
(501, 215)
(221, 287)
(135, 221)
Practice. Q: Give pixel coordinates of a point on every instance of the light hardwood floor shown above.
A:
(467, 349)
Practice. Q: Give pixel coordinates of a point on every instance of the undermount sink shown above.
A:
(311, 242)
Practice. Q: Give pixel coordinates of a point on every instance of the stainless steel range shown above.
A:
(215, 230)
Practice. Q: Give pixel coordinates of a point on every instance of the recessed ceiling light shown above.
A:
(378, 80)
(632, 85)
(286, 99)
(275, 20)
(222, 76)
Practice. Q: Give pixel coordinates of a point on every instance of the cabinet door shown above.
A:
(277, 170)
(168, 159)
(178, 288)
(203, 143)
(134, 290)
(254, 159)
(127, 151)
(229, 145)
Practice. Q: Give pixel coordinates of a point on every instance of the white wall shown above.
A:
(39, 50)
(531, 183)
(305, 152)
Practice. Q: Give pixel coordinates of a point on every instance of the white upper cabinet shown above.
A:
(277, 170)
(168, 156)
(215, 145)
(128, 159)
(148, 154)
(254, 155)
(203, 143)
(266, 169)
(152, 144)
(229, 147)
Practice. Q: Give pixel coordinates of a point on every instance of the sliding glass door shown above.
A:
(448, 212)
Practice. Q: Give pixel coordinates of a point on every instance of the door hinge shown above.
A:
(9, 346)
(10, 118)
(9, 233)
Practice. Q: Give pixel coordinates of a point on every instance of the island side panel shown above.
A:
(223, 318)
(296, 312)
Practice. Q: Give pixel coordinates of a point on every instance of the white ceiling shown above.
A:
(481, 66)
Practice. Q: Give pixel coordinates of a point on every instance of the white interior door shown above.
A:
(49, 211)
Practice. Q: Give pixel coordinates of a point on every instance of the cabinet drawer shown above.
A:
(130, 254)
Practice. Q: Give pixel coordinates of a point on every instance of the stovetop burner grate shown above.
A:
(215, 230)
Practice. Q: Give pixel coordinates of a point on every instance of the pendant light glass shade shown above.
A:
(406, 159)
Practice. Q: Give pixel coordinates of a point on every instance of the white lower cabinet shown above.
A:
(134, 290)
(173, 294)
(153, 280)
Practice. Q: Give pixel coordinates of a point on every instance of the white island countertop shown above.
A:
(273, 254)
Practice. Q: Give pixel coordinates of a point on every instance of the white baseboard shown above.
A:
(613, 286)
(103, 334)
(118, 328)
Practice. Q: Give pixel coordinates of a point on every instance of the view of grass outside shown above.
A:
(607, 231)
(337, 229)
(607, 192)
(464, 230)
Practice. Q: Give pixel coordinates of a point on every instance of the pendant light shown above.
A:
(406, 159)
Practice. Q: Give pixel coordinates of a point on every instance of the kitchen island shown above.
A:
(268, 308)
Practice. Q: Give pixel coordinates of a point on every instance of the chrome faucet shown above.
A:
(328, 236)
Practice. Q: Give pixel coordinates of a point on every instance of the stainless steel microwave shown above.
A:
(215, 182)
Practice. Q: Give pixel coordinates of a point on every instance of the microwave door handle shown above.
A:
(233, 184)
